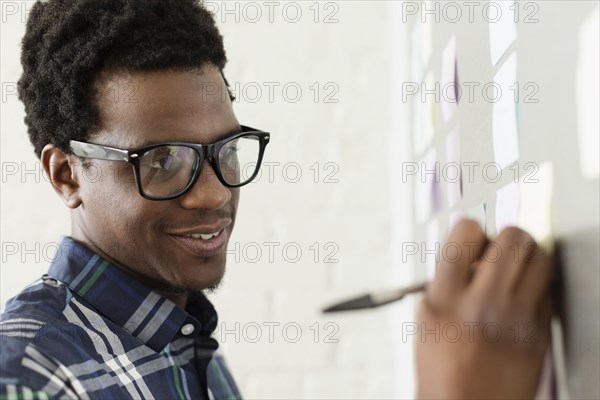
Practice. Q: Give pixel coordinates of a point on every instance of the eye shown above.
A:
(162, 163)
(229, 149)
(162, 160)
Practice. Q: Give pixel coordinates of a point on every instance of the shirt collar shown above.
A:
(143, 313)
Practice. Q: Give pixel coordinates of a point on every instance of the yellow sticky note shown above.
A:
(535, 214)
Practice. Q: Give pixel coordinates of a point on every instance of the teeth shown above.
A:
(203, 236)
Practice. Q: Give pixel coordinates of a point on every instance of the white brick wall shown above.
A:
(363, 214)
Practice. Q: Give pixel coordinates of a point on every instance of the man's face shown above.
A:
(146, 236)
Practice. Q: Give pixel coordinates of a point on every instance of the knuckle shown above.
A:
(515, 234)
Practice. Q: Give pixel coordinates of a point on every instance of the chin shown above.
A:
(212, 288)
(204, 285)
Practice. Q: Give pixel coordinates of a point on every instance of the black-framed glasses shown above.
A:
(168, 170)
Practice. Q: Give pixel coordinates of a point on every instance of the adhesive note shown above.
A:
(422, 125)
(477, 213)
(425, 186)
(507, 206)
(503, 30)
(449, 94)
(416, 67)
(421, 201)
(426, 41)
(423, 118)
(436, 195)
(452, 173)
(535, 215)
(559, 359)
(432, 249)
(546, 384)
(456, 82)
(429, 105)
(454, 217)
(421, 45)
(504, 125)
(588, 96)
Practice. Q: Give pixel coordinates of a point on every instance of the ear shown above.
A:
(61, 170)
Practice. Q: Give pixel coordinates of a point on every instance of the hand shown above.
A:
(484, 322)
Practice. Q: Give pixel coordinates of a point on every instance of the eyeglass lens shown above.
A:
(167, 170)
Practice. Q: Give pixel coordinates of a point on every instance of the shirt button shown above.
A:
(187, 329)
(50, 281)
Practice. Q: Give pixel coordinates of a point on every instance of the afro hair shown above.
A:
(69, 43)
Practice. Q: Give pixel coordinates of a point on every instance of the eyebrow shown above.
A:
(231, 132)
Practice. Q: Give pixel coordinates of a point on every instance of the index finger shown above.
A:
(503, 263)
(464, 246)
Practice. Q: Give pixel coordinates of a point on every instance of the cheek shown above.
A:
(102, 189)
(111, 202)
(235, 198)
(122, 223)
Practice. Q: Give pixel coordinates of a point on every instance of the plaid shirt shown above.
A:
(87, 330)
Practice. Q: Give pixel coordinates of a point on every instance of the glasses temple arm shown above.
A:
(89, 150)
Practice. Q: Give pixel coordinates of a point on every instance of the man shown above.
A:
(119, 113)
(121, 313)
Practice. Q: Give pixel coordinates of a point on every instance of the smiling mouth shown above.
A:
(203, 244)
(203, 236)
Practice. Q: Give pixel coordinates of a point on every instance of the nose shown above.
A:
(207, 192)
